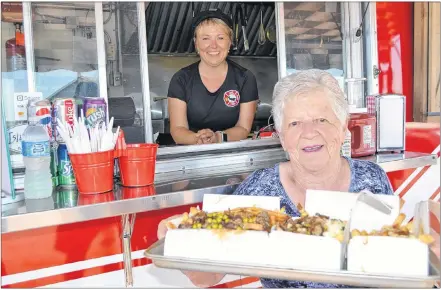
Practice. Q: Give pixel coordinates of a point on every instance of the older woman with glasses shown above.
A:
(311, 116)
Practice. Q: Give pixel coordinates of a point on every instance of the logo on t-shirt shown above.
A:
(231, 98)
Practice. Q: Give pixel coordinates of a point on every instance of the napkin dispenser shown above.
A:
(390, 112)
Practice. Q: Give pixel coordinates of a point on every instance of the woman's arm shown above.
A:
(203, 279)
(243, 125)
(177, 111)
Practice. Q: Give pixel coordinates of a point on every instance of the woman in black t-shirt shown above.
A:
(213, 100)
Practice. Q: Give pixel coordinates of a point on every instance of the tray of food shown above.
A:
(327, 244)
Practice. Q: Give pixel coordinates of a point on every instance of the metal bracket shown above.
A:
(376, 71)
(127, 223)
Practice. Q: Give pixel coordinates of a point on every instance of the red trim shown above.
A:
(76, 274)
(67, 276)
(434, 222)
(434, 194)
(54, 246)
(414, 180)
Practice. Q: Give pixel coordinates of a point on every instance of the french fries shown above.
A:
(399, 220)
(397, 230)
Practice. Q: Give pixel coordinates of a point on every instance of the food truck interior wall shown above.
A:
(171, 47)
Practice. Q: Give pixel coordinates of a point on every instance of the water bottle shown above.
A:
(36, 156)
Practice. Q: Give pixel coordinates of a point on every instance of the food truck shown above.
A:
(126, 53)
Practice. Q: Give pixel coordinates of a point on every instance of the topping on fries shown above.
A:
(397, 230)
(245, 218)
(258, 219)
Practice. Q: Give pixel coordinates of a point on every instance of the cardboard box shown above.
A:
(391, 256)
(388, 256)
(227, 246)
(298, 251)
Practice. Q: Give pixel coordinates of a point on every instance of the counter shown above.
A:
(180, 180)
(66, 206)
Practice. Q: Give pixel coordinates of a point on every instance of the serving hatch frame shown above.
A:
(156, 253)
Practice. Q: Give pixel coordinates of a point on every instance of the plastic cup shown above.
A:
(93, 171)
(137, 165)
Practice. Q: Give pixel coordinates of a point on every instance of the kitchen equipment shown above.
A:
(363, 130)
(390, 112)
(261, 39)
(244, 20)
(271, 33)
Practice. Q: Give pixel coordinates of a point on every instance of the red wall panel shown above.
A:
(395, 50)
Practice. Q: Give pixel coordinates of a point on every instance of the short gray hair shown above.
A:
(302, 83)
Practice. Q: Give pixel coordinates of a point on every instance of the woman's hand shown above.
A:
(199, 279)
(207, 136)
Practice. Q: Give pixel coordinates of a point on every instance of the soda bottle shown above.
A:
(36, 157)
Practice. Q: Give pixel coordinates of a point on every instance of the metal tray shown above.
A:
(156, 253)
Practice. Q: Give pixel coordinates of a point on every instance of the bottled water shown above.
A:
(36, 156)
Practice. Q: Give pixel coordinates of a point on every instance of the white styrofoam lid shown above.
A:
(221, 202)
(339, 205)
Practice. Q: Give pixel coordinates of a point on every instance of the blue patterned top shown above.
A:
(364, 175)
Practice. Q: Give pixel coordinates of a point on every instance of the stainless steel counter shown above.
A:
(66, 206)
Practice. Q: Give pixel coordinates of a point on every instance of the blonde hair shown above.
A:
(215, 21)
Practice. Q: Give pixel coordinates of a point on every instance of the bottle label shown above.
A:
(35, 149)
(367, 137)
(345, 149)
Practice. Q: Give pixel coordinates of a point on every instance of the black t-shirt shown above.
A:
(219, 110)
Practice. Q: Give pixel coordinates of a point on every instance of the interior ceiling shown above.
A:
(169, 26)
(313, 21)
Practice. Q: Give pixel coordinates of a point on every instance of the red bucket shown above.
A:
(135, 192)
(137, 164)
(93, 171)
(86, 199)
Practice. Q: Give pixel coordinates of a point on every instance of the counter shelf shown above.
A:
(198, 181)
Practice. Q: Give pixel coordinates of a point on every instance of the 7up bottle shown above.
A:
(65, 172)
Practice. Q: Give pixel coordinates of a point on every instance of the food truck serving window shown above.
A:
(314, 37)
(296, 36)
